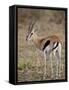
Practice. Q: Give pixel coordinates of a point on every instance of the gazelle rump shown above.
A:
(47, 45)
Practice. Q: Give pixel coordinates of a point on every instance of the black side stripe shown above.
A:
(55, 46)
(46, 44)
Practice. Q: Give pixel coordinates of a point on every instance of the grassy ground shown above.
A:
(30, 59)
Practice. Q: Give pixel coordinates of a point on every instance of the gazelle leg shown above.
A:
(59, 56)
(58, 63)
(51, 65)
(44, 65)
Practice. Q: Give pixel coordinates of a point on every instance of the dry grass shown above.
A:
(30, 59)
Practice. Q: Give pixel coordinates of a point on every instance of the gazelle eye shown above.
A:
(31, 33)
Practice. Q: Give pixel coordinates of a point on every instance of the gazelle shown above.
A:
(47, 45)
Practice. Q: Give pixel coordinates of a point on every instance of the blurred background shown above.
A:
(30, 59)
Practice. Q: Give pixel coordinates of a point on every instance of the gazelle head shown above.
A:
(31, 32)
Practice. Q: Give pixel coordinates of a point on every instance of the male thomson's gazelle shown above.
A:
(47, 45)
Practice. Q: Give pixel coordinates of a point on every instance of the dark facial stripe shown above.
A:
(46, 44)
(31, 34)
(55, 46)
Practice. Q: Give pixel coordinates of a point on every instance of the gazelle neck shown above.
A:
(35, 37)
(36, 40)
